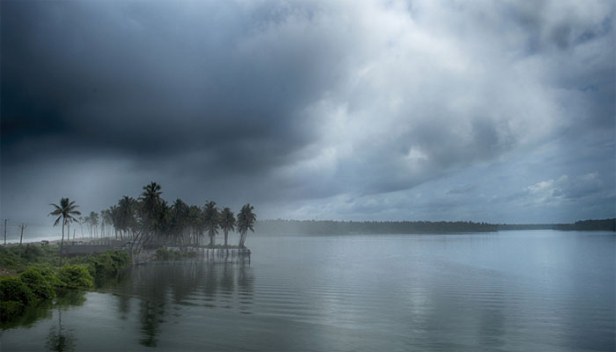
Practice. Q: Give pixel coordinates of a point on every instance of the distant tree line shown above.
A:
(589, 225)
(584, 225)
(327, 227)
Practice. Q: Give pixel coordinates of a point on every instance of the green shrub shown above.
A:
(8, 257)
(164, 254)
(33, 253)
(110, 263)
(76, 276)
(51, 275)
(12, 289)
(39, 284)
(14, 297)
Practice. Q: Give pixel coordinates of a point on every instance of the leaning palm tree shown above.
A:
(65, 212)
(227, 222)
(245, 221)
(210, 219)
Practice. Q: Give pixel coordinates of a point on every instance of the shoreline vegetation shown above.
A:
(35, 275)
(144, 229)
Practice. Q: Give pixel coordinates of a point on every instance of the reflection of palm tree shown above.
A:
(65, 212)
(245, 221)
(151, 314)
(245, 282)
(61, 340)
(211, 283)
(227, 283)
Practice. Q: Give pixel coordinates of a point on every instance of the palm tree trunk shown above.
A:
(62, 242)
(226, 236)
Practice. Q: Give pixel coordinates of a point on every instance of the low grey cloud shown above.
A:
(309, 105)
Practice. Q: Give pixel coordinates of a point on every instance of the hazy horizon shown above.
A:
(499, 112)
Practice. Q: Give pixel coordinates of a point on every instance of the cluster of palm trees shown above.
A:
(150, 220)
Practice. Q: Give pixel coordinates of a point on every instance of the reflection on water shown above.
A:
(189, 283)
(519, 291)
(151, 317)
(59, 339)
(33, 314)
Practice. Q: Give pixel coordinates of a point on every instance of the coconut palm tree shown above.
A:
(94, 222)
(126, 213)
(227, 222)
(179, 219)
(210, 219)
(81, 221)
(195, 220)
(151, 204)
(245, 221)
(65, 212)
(150, 198)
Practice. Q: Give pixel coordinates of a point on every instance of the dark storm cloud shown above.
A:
(154, 80)
(337, 106)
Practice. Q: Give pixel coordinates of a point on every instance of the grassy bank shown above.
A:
(39, 277)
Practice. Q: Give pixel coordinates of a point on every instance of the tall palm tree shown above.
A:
(150, 198)
(81, 221)
(245, 221)
(195, 220)
(88, 222)
(179, 217)
(210, 219)
(126, 213)
(106, 221)
(65, 212)
(227, 222)
(151, 204)
(94, 222)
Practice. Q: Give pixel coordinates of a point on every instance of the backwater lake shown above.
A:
(506, 291)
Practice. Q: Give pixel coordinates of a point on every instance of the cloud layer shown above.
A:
(357, 108)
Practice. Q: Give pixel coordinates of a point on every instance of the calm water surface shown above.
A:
(511, 291)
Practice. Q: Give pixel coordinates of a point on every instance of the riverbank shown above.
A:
(33, 274)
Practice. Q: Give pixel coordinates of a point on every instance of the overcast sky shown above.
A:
(497, 111)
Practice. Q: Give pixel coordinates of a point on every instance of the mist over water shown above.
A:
(510, 291)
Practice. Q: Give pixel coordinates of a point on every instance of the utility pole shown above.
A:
(22, 227)
(5, 220)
